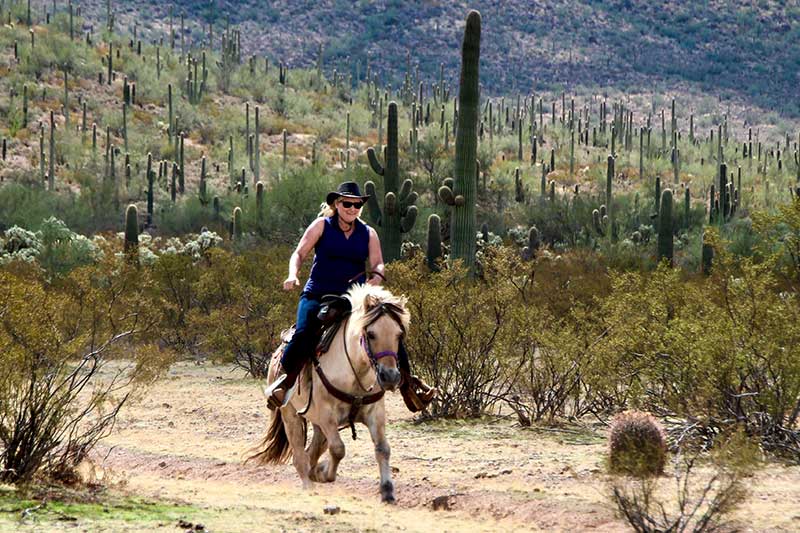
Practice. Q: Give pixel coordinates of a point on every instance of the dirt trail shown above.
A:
(186, 439)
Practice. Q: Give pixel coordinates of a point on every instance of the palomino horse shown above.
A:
(347, 386)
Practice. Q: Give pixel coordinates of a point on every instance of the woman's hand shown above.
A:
(290, 283)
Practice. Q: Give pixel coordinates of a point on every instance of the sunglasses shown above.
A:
(348, 205)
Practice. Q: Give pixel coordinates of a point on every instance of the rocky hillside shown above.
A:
(748, 49)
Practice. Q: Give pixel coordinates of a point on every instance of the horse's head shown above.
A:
(383, 320)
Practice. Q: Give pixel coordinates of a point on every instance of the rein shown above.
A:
(368, 273)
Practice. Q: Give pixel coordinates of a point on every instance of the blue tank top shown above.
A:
(337, 259)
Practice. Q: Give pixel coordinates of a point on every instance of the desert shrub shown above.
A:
(63, 380)
(176, 267)
(715, 352)
(434, 160)
(53, 50)
(293, 202)
(186, 216)
(708, 487)
(174, 276)
(25, 206)
(242, 307)
(462, 336)
(779, 234)
(637, 445)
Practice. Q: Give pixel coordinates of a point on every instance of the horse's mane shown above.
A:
(369, 302)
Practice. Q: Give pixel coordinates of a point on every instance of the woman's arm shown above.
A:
(375, 258)
(304, 247)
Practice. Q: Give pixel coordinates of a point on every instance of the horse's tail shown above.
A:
(275, 447)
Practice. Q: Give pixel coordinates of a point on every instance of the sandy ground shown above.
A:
(185, 440)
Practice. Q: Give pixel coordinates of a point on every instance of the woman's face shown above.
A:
(349, 209)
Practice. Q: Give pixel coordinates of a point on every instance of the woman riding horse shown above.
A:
(342, 245)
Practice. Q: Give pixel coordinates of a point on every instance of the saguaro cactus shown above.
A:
(24, 106)
(462, 197)
(236, 224)
(202, 191)
(150, 179)
(665, 246)
(433, 250)
(257, 148)
(534, 241)
(609, 180)
(131, 231)
(260, 202)
(398, 213)
(51, 182)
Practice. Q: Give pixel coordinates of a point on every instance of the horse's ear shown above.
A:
(370, 301)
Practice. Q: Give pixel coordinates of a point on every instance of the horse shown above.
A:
(347, 386)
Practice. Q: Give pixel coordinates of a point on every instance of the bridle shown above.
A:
(363, 340)
(375, 357)
(358, 401)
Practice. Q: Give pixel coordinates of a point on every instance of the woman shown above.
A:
(343, 244)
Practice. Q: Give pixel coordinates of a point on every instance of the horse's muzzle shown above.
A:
(389, 377)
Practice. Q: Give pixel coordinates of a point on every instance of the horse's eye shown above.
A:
(370, 336)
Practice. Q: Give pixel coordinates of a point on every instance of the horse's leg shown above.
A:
(296, 434)
(326, 470)
(315, 450)
(375, 421)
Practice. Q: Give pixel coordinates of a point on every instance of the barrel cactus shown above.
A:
(637, 445)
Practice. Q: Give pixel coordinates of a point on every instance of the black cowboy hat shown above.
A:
(348, 189)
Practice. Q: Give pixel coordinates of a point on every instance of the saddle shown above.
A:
(332, 312)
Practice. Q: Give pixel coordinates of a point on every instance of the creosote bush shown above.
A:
(74, 350)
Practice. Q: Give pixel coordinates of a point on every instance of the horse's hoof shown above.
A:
(316, 474)
(387, 492)
(320, 473)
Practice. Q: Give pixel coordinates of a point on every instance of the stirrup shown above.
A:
(279, 392)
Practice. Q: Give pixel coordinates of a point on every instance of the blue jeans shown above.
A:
(306, 335)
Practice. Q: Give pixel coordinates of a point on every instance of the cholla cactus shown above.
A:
(19, 245)
(637, 445)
